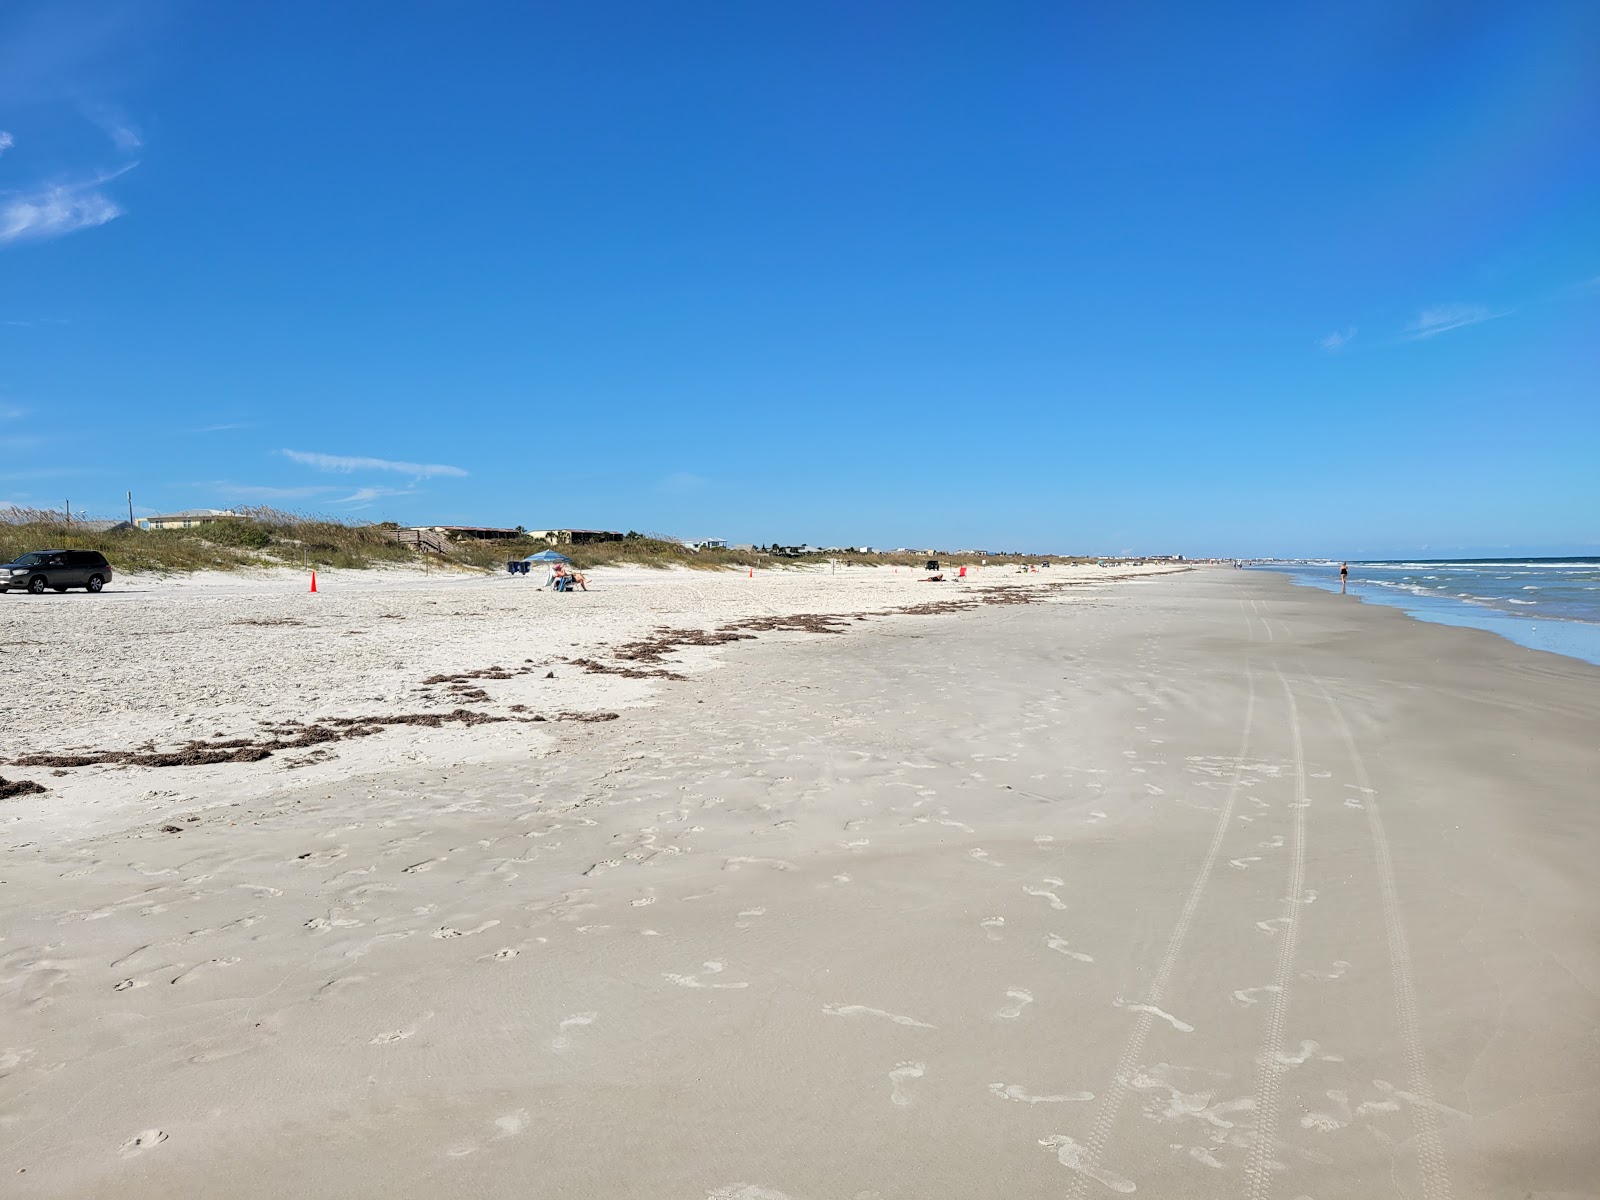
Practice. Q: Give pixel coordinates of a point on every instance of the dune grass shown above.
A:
(269, 537)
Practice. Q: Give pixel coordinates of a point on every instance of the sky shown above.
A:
(1239, 279)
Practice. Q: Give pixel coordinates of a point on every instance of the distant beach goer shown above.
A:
(1344, 577)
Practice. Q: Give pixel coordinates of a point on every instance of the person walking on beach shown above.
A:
(1344, 577)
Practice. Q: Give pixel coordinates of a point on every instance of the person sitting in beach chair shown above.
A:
(566, 580)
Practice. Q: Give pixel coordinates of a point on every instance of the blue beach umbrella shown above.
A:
(547, 556)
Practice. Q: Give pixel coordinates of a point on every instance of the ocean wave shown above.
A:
(1514, 600)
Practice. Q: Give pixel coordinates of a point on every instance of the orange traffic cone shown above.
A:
(313, 581)
(752, 572)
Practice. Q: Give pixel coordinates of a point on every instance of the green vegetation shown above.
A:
(267, 537)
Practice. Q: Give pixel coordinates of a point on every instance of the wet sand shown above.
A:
(1201, 885)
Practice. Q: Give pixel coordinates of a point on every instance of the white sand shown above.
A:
(1196, 886)
(173, 660)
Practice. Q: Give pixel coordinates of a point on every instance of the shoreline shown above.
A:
(1190, 884)
(1570, 637)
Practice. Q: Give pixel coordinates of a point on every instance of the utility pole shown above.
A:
(69, 512)
(130, 511)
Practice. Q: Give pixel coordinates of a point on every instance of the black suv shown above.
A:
(58, 569)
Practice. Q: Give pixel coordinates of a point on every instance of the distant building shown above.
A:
(479, 533)
(189, 518)
(707, 544)
(574, 537)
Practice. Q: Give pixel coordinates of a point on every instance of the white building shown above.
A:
(190, 518)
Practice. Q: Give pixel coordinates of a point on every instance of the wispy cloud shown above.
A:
(1442, 318)
(11, 413)
(681, 483)
(222, 428)
(1337, 341)
(123, 133)
(6, 141)
(57, 209)
(348, 463)
(362, 497)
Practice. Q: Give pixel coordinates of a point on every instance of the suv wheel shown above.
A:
(36, 585)
(95, 583)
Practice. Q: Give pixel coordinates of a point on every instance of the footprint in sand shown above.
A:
(982, 855)
(1075, 1157)
(1061, 946)
(861, 1010)
(1055, 901)
(448, 931)
(1012, 1091)
(992, 927)
(511, 1124)
(1012, 1011)
(1180, 1026)
(897, 1079)
(562, 1040)
(694, 981)
(141, 1141)
(1308, 1050)
(502, 955)
(1247, 996)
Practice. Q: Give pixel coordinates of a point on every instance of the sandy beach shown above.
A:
(1190, 884)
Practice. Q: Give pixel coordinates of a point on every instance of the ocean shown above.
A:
(1547, 603)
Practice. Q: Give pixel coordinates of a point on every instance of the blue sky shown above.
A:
(1152, 278)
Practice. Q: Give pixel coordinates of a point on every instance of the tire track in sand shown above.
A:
(1431, 1164)
(1105, 1120)
(1270, 1068)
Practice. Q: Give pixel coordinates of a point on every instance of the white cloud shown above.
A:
(1442, 318)
(122, 134)
(56, 209)
(347, 464)
(1337, 341)
(223, 428)
(362, 497)
(6, 141)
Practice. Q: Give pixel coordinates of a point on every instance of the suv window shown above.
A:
(31, 560)
(85, 558)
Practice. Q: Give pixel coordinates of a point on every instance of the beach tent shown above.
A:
(547, 556)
